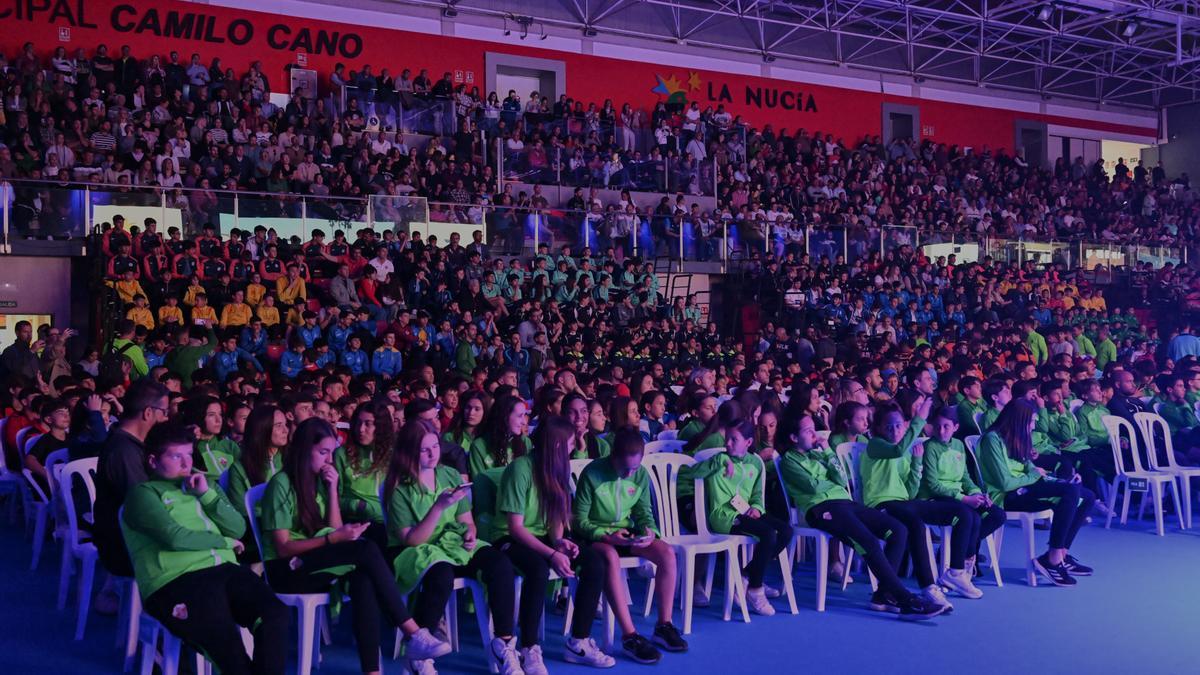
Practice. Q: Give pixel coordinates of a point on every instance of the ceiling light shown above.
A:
(588, 31)
(1045, 13)
(1131, 28)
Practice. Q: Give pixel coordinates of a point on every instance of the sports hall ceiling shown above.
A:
(1142, 53)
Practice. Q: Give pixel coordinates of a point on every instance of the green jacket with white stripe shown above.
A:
(171, 532)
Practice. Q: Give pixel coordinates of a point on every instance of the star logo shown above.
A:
(694, 81)
(672, 89)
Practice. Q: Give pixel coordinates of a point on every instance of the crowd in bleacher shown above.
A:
(381, 415)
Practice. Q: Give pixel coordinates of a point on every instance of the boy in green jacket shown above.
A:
(1057, 436)
(996, 394)
(891, 469)
(1180, 416)
(182, 537)
(612, 511)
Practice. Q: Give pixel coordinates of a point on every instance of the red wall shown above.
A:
(158, 27)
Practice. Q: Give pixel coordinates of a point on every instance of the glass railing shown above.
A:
(33, 210)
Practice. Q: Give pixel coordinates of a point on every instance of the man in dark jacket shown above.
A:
(20, 358)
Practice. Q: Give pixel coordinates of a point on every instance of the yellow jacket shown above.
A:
(128, 289)
(141, 316)
(289, 293)
(268, 315)
(167, 313)
(254, 294)
(205, 312)
(235, 314)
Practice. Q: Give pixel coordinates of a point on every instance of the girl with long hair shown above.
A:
(504, 439)
(362, 463)
(263, 450)
(307, 548)
(851, 421)
(1015, 483)
(432, 534)
(467, 425)
(533, 516)
(586, 443)
(216, 452)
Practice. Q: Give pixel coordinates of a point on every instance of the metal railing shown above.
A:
(38, 209)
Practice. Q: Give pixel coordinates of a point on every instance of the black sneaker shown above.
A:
(1057, 574)
(1076, 568)
(884, 602)
(917, 608)
(667, 636)
(640, 649)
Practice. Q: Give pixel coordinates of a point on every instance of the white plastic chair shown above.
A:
(41, 503)
(1118, 427)
(74, 547)
(10, 479)
(667, 435)
(665, 445)
(664, 475)
(306, 604)
(29, 503)
(1075, 405)
(991, 541)
(746, 550)
(148, 632)
(1163, 459)
(820, 538)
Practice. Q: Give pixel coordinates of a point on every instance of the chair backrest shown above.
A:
(664, 475)
(253, 496)
(676, 389)
(577, 467)
(665, 445)
(85, 471)
(58, 457)
(23, 440)
(1153, 426)
(777, 462)
(824, 435)
(667, 435)
(704, 455)
(971, 442)
(1118, 427)
(1076, 405)
(3, 466)
(223, 481)
(856, 451)
(978, 417)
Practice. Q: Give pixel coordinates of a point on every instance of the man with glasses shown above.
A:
(122, 465)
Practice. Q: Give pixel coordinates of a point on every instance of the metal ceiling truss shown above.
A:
(1139, 53)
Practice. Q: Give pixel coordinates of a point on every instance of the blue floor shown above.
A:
(1138, 614)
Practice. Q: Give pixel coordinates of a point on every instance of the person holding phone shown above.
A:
(891, 469)
(1015, 483)
(533, 512)
(612, 513)
(182, 535)
(307, 547)
(362, 464)
(432, 534)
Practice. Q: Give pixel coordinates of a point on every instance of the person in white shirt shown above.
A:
(64, 154)
(382, 264)
(380, 145)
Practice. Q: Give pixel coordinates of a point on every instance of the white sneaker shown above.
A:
(960, 582)
(757, 599)
(423, 667)
(532, 661)
(770, 592)
(585, 652)
(504, 654)
(934, 594)
(422, 646)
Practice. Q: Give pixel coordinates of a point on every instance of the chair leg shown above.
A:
(689, 589)
(1128, 497)
(946, 533)
(170, 650)
(1178, 507)
(823, 571)
(452, 618)
(733, 587)
(1186, 483)
(307, 624)
(785, 568)
(649, 597)
(994, 558)
(1112, 504)
(86, 575)
(131, 626)
(39, 534)
(1156, 490)
(65, 568)
(1030, 551)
